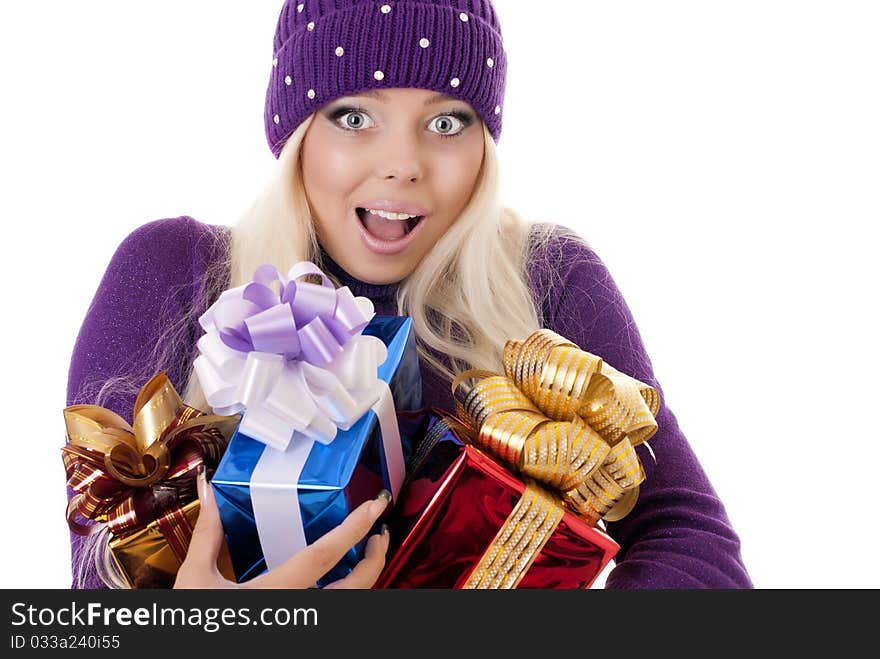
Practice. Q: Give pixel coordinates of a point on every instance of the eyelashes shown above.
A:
(335, 114)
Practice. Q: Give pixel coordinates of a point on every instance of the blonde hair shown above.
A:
(466, 298)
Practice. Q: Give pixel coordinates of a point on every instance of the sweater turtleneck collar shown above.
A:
(373, 291)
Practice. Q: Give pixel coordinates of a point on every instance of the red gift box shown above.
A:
(465, 521)
(564, 424)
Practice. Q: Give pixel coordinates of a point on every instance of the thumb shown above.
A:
(207, 536)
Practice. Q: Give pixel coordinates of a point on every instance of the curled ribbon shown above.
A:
(127, 476)
(565, 418)
(291, 354)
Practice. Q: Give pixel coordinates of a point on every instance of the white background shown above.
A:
(722, 158)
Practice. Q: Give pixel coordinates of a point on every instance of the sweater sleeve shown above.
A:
(145, 283)
(678, 535)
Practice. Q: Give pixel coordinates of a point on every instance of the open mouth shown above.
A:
(384, 228)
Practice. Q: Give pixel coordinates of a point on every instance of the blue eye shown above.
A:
(353, 120)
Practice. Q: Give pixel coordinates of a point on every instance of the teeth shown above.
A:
(391, 216)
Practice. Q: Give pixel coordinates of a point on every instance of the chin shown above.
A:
(384, 277)
(374, 269)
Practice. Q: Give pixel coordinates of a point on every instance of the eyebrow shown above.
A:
(433, 100)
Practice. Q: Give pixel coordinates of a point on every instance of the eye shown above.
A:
(446, 124)
(353, 119)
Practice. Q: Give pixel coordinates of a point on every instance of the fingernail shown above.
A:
(381, 501)
(201, 481)
(383, 530)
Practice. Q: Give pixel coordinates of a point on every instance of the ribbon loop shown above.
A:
(564, 417)
(123, 476)
(291, 356)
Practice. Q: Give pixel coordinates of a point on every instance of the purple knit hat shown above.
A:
(325, 49)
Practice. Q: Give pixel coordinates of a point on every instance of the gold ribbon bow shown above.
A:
(127, 476)
(565, 418)
(569, 424)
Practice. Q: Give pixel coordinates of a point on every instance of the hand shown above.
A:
(303, 569)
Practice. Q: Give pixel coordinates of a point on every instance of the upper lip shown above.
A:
(392, 206)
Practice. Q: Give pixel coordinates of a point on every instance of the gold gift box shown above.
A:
(146, 560)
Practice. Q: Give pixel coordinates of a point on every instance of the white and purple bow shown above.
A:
(294, 359)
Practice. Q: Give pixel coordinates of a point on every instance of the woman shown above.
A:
(384, 118)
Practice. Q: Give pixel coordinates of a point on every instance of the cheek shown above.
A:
(325, 171)
(459, 175)
(329, 168)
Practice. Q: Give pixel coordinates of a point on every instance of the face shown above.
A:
(398, 149)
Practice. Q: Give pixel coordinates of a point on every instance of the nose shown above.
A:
(400, 157)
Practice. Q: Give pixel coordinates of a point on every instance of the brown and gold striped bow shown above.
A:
(565, 418)
(128, 476)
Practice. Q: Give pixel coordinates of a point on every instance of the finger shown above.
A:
(365, 573)
(207, 536)
(308, 565)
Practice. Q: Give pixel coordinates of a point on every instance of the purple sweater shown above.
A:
(677, 536)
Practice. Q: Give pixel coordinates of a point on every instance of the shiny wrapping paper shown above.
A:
(139, 480)
(146, 557)
(453, 506)
(561, 427)
(336, 477)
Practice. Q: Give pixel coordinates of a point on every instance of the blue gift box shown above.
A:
(336, 477)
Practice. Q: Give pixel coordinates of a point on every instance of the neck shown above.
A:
(373, 291)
